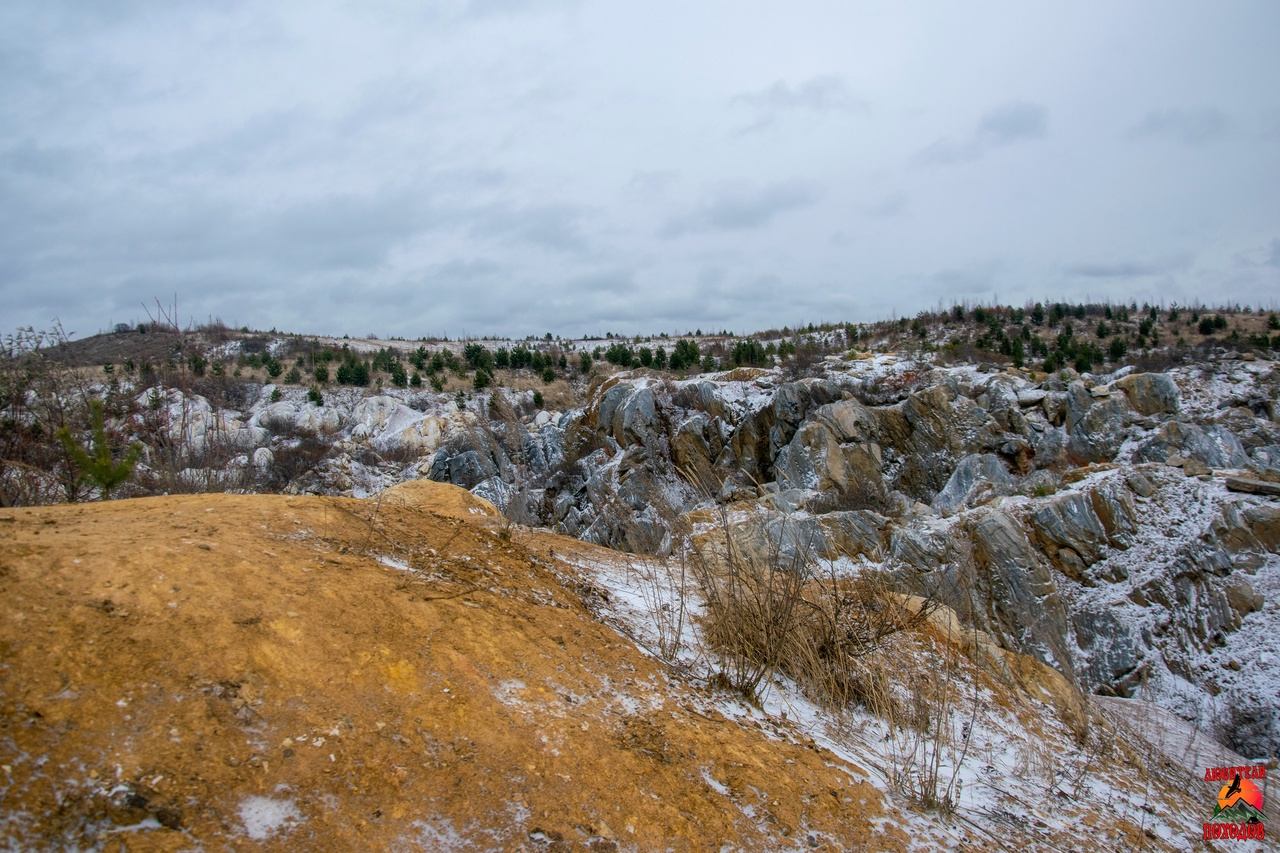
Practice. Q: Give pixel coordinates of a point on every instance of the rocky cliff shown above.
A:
(1084, 520)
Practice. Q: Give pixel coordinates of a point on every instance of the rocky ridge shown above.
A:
(1084, 520)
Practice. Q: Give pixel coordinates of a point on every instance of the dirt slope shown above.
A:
(263, 672)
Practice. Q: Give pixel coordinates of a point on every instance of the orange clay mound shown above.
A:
(310, 673)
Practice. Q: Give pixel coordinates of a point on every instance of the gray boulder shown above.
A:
(1111, 654)
(1253, 431)
(785, 500)
(918, 548)
(977, 478)
(467, 469)
(694, 446)
(857, 532)
(1031, 396)
(999, 395)
(708, 397)
(1150, 393)
(791, 405)
(812, 460)
(635, 417)
(1114, 506)
(1264, 523)
(1214, 446)
(624, 412)
(843, 476)
(1266, 459)
(1096, 427)
(1139, 484)
(1021, 603)
(849, 421)
(930, 432)
(784, 541)
(1070, 532)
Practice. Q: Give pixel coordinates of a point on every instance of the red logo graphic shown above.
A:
(1238, 812)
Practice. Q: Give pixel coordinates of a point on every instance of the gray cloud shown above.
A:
(826, 94)
(524, 165)
(552, 227)
(890, 206)
(497, 8)
(1129, 269)
(1012, 123)
(1006, 125)
(979, 279)
(1195, 126)
(740, 208)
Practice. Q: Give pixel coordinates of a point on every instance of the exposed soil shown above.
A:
(244, 672)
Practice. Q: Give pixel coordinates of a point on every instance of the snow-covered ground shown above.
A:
(1011, 770)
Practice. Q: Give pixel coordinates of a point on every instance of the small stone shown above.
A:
(1140, 485)
(1194, 468)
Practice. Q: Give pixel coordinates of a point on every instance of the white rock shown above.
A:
(1031, 397)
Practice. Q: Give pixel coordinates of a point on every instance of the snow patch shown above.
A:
(263, 817)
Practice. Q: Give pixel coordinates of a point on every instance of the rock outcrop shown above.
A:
(1041, 508)
(1150, 393)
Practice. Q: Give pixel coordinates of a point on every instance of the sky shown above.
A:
(513, 167)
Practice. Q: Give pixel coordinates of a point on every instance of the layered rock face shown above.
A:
(1083, 520)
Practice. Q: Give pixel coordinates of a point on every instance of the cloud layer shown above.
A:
(519, 166)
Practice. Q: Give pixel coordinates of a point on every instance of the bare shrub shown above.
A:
(367, 456)
(293, 460)
(771, 604)
(180, 456)
(753, 601)
(927, 741)
(1157, 361)
(41, 394)
(891, 388)
(806, 361)
(400, 454)
(844, 620)
(215, 331)
(846, 641)
(225, 392)
(964, 352)
(283, 427)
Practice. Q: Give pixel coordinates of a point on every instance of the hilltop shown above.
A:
(405, 673)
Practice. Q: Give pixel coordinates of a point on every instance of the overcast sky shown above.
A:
(521, 166)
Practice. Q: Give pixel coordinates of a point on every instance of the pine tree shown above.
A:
(98, 468)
